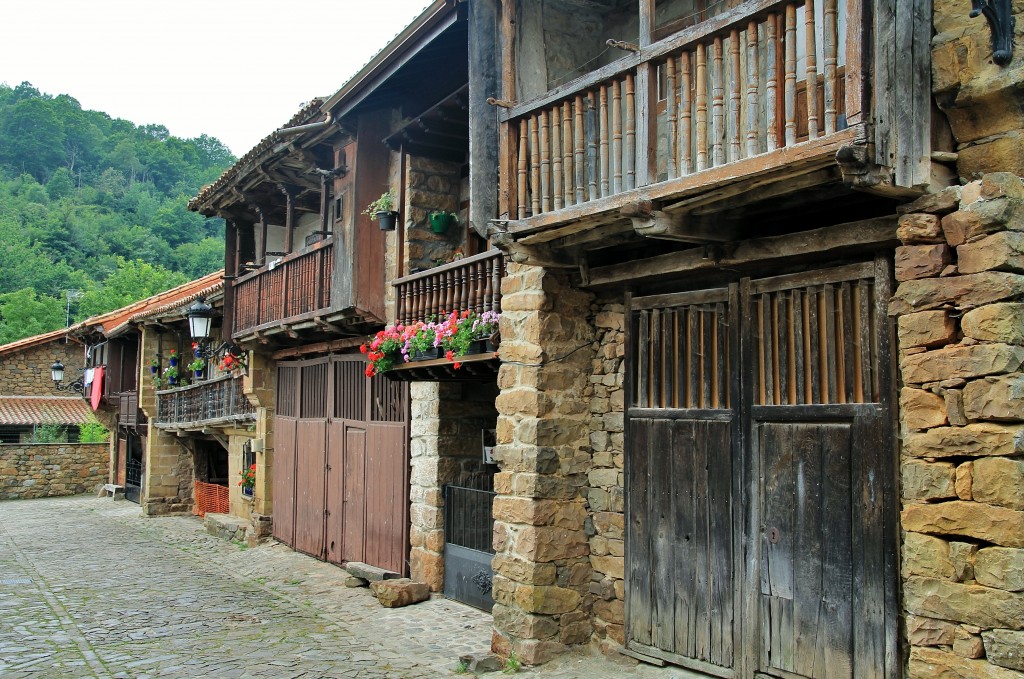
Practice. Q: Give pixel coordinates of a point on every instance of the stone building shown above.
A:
(757, 406)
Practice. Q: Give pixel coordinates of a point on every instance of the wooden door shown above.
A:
(761, 479)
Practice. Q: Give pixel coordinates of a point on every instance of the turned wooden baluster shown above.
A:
(752, 78)
(811, 48)
(717, 105)
(771, 87)
(451, 288)
(701, 75)
(486, 287)
(685, 114)
(465, 284)
(790, 96)
(592, 135)
(545, 162)
(567, 154)
(629, 152)
(556, 155)
(830, 44)
(604, 134)
(734, 95)
(480, 286)
(521, 173)
(534, 165)
(616, 136)
(578, 150)
(672, 117)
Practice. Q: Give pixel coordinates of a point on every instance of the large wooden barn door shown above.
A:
(760, 478)
(341, 462)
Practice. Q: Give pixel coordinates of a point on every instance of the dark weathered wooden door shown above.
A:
(760, 477)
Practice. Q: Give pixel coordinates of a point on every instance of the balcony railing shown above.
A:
(473, 284)
(295, 286)
(219, 400)
(729, 89)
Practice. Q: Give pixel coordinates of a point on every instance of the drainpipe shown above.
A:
(310, 127)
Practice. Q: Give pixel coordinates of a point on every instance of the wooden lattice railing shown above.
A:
(729, 88)
(296, 285)
(473, 284)
(218, 399)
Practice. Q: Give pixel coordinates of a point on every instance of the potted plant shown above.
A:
(248, 480)
(154, 365)
(197, 366)
(383, 210)
(440, 220)
(171, 374)
(172, 357)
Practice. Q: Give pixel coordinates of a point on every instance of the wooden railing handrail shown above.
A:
(450, 266)
(196, 385)
(283, 260)
(687, 36)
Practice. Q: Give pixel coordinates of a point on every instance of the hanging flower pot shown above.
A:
(441, 220)
(388, 220)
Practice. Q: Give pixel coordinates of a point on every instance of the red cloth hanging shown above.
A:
(97, 387)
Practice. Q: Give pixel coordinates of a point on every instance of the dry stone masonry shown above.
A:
(959, 309)
(51, 470)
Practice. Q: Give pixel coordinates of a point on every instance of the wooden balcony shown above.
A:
(218, 401)
(754, 102)
(291, 289)
(472, 283)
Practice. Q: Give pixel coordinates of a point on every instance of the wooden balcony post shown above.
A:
(734, 96)
(752, 82)
(811, 74)
(567, 154)
(289, 217)
(578, 150)
(717, 103)
(556, 156)
(790, 77)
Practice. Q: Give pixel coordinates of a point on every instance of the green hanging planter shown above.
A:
(441, 220)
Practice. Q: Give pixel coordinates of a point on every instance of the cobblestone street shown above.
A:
(91, 588)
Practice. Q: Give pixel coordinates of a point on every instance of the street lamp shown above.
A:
(200, 319)
(57, 374)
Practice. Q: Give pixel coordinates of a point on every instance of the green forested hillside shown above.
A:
(95, 204)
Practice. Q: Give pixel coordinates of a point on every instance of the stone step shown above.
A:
(368, 572)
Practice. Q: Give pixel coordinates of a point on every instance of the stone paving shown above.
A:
(90, 588)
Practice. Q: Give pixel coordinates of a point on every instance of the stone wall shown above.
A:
(542, 565)
(960, 310)
(48, 470)
(27, 372)
(981, 99)
(606, 493)
(433, 185)
(445, 448)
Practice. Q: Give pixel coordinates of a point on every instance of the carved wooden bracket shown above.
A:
(1001, 21)
(652, 223)
(526, 254)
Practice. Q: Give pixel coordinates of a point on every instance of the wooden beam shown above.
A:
(816, 244)
(332, 346)
(681, 227)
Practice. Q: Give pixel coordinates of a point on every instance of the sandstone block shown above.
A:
(954, 399)
(1000, 184)
(998, 525)
(399, 592)
(1005, 648)
(971, 604)
(1001, 568)
(971, 290)
(926, 329)
(922, 631)
(1002, 152)
(921, 409)
(967, 362)
(931, 663)
(999, 252)
(538, 651)
(977, 439)
(524, 571)
(965, 481)
(967, 645)
(915, 228)
(523, 625)
(548, 600)
(995, 398)
(613, 566)
(545, 543)
(999, 481)
(928, 480)
(962, 555)
(927, 556)
(922, 261)
(939, 203)
(1002, 322)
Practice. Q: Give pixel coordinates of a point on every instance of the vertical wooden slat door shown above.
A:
(761, 477)
(683, 480)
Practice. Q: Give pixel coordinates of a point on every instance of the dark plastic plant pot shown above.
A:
(387, 220)
(440, 221)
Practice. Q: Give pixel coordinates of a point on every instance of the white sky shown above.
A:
(233, 69)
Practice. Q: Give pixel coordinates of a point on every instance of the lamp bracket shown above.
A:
(1001, 21)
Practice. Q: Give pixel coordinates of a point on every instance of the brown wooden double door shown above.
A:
(761, 502)
(340, 472)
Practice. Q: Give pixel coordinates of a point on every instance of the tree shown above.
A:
(24, 313)
(132, 281)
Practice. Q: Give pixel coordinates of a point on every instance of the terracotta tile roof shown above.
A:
(33, 341)
(114, 321)
(308, 111)
(43, 410)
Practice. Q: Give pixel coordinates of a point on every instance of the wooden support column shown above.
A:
(230, 274)
(644, 146)
(261, 244)
(289, 216)
(484, 82)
